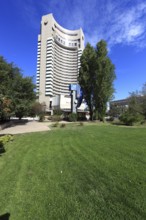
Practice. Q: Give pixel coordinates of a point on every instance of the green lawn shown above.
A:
(75, 173)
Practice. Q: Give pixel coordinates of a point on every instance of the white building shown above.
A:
(58, 62)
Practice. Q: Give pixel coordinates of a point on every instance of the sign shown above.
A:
(73, 87)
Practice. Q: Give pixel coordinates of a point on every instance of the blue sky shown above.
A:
(122, 23)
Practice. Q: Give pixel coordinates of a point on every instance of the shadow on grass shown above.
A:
(5, 216)
(2, 150)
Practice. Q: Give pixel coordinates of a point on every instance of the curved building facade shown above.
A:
(58, 60)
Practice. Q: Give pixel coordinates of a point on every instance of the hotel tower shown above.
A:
(58, 62)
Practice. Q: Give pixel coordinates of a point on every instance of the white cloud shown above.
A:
(118, 22)
(125, 26)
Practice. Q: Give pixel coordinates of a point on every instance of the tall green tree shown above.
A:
(104, 78)
(87, 76)
(96, 77)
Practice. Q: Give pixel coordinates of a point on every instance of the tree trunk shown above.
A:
(91, 114)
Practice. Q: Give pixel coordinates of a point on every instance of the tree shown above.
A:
(23, 95)
(143, 104)
(37, 109)
(96, 77)
(136, 109)
(115, 111)
(87, 76)
(16, 92)
(104, 77)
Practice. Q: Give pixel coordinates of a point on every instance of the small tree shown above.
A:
(36, 109)
(115, 111)
(134, 112)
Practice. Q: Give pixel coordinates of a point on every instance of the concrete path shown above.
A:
(26, 127)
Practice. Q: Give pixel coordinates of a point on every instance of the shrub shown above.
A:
(55, 124)
(81, 124)
(2, 149)
(56, 118)
(41, 117)
(3, 140)
(72, 117)
(1, 144)
(57, 112)
(81, 116)
(6, 138)
(129, 118)
(63, 125)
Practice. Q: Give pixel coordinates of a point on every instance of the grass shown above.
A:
(79, 172)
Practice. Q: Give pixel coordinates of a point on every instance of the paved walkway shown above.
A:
(26, 127)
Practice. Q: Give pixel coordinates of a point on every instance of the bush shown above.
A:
(2, 149)
(3, 140)
(129, 118)
(56, 124)
(6, 138)
(63, 125)
(57, 112)
(72, 117)
(82, 116)
(41, 117)
(1, 144)
(56, 118)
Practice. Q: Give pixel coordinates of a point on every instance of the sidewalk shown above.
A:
(26, 127)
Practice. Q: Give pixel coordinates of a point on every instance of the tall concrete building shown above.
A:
(58, 62)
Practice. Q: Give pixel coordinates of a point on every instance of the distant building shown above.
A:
(119, 106)
(58, 62)
(120, 103)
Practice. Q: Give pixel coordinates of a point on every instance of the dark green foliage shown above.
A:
(63, 125)
(57, 112)
(143, 100)
(133, 113)
(116, 111)
(96, 77)
(87, 76)
(81, 116)
(72, 117)
(1, 143)
(81, 124)
(105, 75)
(55, 124)
(136, 109)
(129, 117)
(16, 92)
(143, 105)
(41, 117)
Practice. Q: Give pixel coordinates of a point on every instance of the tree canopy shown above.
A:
(96, 77)
(86, 76)
(16, 92)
